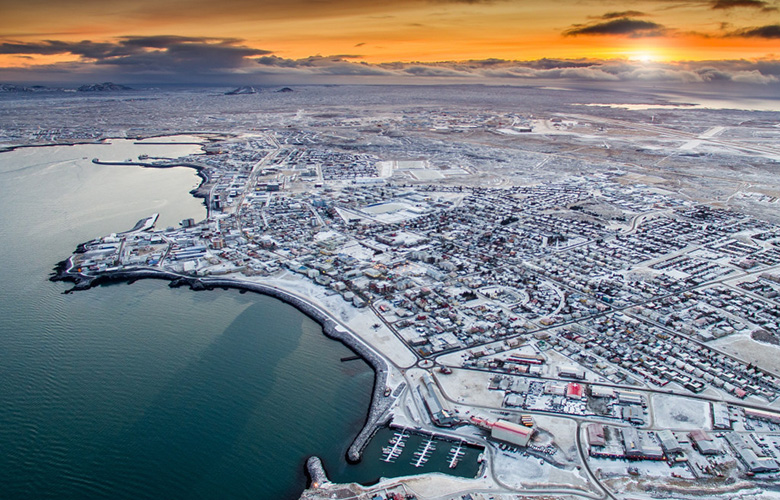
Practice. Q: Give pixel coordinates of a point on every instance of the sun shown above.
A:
(643, 57)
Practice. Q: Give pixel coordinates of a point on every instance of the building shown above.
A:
(636, 449)
(512, 433)
(668, 442)
(757, 464)
(720, 416)
(555, 388)
(703, 443)
(767, 416)
(634, 414)
(575, 391)
(571, 371)
(439, 414)
(596, 435)
(629, 397)
(598, 391)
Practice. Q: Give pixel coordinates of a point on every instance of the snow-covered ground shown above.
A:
(363, 322)
(679, 413)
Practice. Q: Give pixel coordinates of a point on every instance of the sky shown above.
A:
(254, 41)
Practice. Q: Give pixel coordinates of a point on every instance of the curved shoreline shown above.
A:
(98, 142)
(199, 169)
(137, 140)
(377, 415)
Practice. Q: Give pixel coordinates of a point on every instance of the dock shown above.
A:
(390, 454)
(424, 453)
(455, 454)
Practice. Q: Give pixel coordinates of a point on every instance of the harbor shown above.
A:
(405, 451)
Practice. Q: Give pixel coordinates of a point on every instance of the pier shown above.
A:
(398, 441)
(424, 453)
(455, 455)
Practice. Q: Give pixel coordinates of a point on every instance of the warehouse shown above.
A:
(511, 433)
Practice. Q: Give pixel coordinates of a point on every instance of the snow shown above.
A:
(679, 413)
(359, 321)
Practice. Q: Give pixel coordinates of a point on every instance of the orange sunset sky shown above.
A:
(241, 36)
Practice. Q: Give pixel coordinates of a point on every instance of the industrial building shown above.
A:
(512, 433)
(720, 416)
(636, 449)
(703, 443)
(669, 443)
(439, 414)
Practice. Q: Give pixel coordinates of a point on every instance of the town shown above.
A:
(594, 336)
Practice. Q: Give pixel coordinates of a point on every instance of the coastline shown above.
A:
(200, 170)
(101, 142)
(377, 415)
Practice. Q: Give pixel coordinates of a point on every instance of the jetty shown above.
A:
(390, 454)
(455, 454)
(424, 453)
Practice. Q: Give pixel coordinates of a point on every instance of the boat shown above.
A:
(424, 453)
(398, 441)
(455, 454)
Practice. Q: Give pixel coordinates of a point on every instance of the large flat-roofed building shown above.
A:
(757, 464)
(512, 433)
(704, 443)
(668, 442)
(763, 415)
(720, 416)
(630, 397)
(598, 391)
(571, 371)
(596, 435)
(439, 414)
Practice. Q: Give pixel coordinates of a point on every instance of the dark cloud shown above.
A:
(623, 26)
(730, 4)
(152, 54)
(625, 13)
(84, 48)
(360, 44)
(771, 31)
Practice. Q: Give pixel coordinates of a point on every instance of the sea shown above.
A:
(143, 391)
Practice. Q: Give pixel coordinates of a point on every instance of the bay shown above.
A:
(143, 391)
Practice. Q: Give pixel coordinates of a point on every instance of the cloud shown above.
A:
(436, 71)
(154, 54)
(625, 13)
(731, 4)
(635, 28)
(741, 71)
(753, 76)
(227, 61)
(768, 31)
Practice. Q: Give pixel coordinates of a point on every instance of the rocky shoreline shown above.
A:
(377, 416)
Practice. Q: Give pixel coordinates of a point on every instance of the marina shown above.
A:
(405, 451)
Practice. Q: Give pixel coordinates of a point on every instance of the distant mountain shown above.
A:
(9, 87)
(103, 87)
(242, 91)
(285, 89)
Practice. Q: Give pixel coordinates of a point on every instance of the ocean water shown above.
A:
(143, 391)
